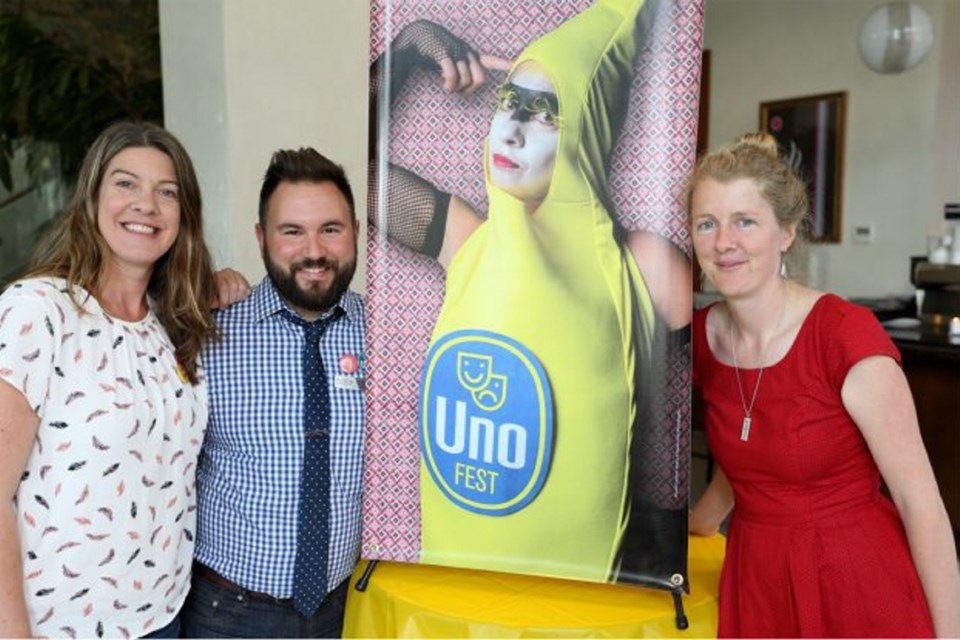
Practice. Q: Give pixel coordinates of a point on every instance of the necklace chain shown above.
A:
(748, 409)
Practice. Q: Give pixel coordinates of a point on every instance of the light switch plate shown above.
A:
(864, 234)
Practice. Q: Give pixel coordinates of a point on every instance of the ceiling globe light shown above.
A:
(896, 37)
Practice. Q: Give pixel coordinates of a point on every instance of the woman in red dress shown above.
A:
(807, 408)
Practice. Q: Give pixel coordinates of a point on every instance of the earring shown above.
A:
(783, 266)
(706, 285)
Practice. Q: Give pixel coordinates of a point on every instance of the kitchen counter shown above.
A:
(930, 341)
(931, 362)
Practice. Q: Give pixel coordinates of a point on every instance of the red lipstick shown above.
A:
(504, 162)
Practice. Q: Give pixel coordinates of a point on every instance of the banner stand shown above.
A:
(682, 622)
(475, 410)
(361, 585)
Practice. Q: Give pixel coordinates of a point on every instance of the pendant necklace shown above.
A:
(748, 409)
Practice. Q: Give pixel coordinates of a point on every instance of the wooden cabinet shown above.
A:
(933, 371)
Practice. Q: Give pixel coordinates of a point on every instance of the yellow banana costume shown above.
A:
(528, 401)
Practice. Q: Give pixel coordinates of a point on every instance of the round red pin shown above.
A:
(349, 363)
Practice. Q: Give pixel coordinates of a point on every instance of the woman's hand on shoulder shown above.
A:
(231, 287)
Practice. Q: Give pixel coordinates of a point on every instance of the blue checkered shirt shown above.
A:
(248, 478)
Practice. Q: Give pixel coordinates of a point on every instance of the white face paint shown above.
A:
(523, 137)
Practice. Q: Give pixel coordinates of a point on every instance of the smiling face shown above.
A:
(522, 145)
(736, 236)
(473, 370)
(138, 208)
(309, 245)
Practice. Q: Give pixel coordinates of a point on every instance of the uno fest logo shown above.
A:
(486, 423)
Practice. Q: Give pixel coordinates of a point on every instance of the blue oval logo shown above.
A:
(486, 421)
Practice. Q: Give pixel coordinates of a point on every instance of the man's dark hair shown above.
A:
(306, 164)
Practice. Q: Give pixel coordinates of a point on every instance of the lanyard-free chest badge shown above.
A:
(350, 375)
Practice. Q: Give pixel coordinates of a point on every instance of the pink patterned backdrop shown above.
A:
(405, 290)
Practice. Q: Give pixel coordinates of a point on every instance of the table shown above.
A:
(421, 601)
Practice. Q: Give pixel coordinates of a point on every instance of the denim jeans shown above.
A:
(212, 611)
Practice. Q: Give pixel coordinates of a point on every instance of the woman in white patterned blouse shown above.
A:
(102, 405)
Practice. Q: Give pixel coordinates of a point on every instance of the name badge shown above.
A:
(349, 383)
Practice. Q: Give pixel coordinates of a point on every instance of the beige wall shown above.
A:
(243, 78)
(946, 172)
(903, 131)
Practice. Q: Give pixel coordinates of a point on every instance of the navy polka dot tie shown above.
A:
(313, 528)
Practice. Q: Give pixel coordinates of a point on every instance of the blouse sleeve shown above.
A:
(858, 335)
(30, 329)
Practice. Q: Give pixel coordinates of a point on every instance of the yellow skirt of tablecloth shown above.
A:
(420, 601)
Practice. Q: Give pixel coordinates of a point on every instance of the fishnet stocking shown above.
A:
(415, 214)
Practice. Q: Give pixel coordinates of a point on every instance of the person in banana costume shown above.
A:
(532, 390)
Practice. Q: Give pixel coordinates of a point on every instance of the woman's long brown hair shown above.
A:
(182, 283)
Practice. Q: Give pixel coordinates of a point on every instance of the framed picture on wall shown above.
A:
(810, 130)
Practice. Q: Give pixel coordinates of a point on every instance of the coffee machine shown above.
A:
(940, 284)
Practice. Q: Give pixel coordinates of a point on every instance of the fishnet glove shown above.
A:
(421, 44)
(416, 212)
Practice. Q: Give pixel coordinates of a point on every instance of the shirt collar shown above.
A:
(266, 302)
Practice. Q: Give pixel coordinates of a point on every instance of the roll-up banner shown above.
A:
(528, 378)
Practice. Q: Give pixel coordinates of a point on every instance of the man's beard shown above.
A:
(318, 297)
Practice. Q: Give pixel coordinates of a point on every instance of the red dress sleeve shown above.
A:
(854, 334)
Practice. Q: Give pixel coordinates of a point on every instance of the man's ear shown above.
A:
(258, 230)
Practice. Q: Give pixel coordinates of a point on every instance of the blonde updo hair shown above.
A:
(756, 156)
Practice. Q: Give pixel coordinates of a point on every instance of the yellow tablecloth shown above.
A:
(420, 601)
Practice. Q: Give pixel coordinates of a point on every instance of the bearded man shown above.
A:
(279, 476)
